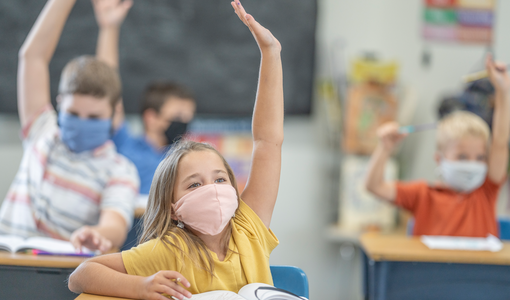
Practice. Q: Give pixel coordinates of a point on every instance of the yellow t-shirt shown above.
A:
(252, 241)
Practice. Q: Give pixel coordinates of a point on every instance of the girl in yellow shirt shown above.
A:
(198, 235)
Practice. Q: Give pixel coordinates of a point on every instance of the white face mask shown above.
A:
(463, 176)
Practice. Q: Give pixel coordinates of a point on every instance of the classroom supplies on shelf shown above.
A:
(490, 243)
(15, 244)
(369, 105)
(252, 291)
(359, 210)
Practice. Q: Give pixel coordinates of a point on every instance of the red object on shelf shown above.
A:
(441, 3)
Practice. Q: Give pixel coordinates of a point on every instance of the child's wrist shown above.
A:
(110, 27)
(384, 150)
(271, 51)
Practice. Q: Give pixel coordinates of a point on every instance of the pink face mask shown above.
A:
(207, 209)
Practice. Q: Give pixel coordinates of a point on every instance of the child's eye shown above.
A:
(219, 180)
(194, 185)
(481, 158)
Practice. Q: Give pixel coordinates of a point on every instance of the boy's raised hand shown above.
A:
(498, 74)
(264, 37)
(389, 136)
(111, 13)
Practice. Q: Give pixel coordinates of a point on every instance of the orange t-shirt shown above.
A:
(442, 211)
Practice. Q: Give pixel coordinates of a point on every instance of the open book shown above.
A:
(252, 291)
(14, 244)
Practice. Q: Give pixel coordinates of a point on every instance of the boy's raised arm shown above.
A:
(35, 56)
(267, 125)
(498, 154)
(110, 15)
(389, 137)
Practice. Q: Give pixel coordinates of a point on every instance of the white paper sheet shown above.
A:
(490, 243)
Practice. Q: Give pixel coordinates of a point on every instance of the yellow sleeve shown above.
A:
(149, 258)
(249, 223)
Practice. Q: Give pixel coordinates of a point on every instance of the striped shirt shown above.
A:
(57, 191)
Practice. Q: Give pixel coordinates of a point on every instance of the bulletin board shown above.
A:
(459, 21)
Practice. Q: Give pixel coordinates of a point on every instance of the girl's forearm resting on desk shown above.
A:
(96, 278)
(106, 275)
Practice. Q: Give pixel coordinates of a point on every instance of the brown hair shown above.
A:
(157, 220)
(157, 93)
(89, 76)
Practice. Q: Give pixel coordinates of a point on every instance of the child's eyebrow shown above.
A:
(220, 171)
(191, 176)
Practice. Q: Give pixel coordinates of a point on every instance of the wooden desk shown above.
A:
(400, 267)
(24, 276)
(46, 261)
(405, 248)
(96, 297)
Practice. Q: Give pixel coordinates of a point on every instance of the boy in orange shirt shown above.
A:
(472, 166)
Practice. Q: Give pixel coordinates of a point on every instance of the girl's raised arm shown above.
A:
(267, 125)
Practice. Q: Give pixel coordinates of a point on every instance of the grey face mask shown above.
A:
(463, 176)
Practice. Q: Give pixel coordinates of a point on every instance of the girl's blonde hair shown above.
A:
(157, 220)
(459, 125)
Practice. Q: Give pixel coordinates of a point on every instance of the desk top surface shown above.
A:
(403, 248)
(28, 260)
(85, 296)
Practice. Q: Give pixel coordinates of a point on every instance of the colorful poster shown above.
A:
(459, 21)
(232, 138)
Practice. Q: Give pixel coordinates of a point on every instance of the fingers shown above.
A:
(127, 4)
(174, 275)
(104, 245)
(173, 289)
(237, 8)
(76, 242)
(172, 281)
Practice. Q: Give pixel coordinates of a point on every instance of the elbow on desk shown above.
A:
(72, 283)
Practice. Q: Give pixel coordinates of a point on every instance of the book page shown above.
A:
(46, 244)
(10, 242)
(217, 295)
(249, 290)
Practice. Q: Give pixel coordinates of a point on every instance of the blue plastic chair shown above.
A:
(503, 224)
(291, 279)
(504, 229)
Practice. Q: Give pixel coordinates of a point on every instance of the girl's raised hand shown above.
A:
(264, 37)
(111, 13)
(165, 282)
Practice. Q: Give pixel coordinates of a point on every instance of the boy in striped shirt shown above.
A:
(71, 184)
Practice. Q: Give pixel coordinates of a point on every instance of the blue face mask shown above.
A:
(82, 135)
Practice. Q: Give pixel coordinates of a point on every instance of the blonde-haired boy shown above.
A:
(71, 184)
(472, 168)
